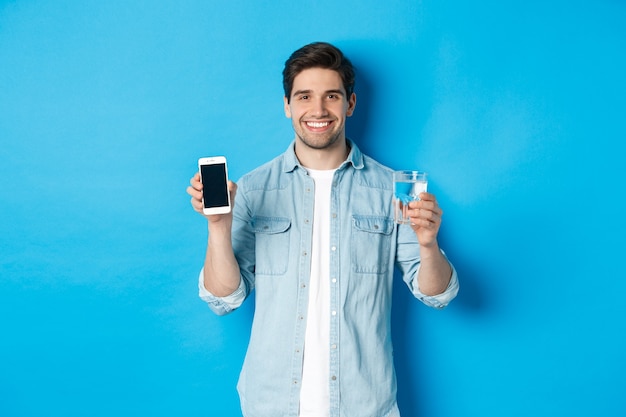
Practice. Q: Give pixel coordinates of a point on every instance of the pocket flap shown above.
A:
(261, 224)
(373, 224)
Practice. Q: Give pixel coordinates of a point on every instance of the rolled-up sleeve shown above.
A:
(409, 262)
(222, 305)
(440, 300)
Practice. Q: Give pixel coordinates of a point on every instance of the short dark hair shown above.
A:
(318, 55)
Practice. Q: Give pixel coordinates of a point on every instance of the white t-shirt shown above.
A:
(314, 394)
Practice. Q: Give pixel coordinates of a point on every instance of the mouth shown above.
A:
(317, 126)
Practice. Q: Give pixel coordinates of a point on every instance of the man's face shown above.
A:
(318, 108)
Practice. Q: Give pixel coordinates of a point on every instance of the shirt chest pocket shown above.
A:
(272, 244)
(371, 243)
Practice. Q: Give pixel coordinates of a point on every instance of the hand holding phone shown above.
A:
(214, 177)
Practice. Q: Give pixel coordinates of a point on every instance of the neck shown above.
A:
(322, 159)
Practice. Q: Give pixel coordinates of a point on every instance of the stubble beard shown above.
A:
(317, 141)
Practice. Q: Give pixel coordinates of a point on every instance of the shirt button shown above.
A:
(334, 378)
(334, 313)
(333, 346)
(334, 280)
(334, 215)
(334, 248)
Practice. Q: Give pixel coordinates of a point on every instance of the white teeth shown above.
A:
(317, 124)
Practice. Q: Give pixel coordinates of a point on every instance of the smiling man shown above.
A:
(318, 108)
(312, 232)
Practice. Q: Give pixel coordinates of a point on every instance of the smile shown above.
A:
(317, 125)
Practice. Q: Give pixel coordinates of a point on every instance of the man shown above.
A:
(313, 232)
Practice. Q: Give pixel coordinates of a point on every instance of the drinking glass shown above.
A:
(407, 186)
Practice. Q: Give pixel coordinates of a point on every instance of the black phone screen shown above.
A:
(215, 190)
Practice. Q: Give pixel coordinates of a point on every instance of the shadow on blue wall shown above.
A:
(406, 309)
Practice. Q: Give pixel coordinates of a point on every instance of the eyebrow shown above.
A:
(300, 92)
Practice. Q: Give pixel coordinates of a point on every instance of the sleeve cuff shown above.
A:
(221, 305)
(440, 301)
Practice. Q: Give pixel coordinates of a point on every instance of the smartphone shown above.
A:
(214, 177)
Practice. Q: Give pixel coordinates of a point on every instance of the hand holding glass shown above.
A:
(407, 186)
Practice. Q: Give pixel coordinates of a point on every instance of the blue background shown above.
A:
(515, 109)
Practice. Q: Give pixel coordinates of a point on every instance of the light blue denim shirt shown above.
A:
(272, 237)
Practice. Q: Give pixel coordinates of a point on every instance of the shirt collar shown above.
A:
(290, 160)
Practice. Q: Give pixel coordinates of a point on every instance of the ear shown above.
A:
(287, 108)
(351, 105)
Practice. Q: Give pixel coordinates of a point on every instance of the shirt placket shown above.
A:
(307, 192)
(334, 347)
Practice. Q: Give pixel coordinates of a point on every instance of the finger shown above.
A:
(418, 223)
(232, 187)
(197, 205)
(424, 205)
(196, 182)
(426, 196)
(194, 193)
(433, 208)
(232, 190)
(427, 205)
(425, 215)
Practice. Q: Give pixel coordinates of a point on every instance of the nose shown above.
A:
(318, 108)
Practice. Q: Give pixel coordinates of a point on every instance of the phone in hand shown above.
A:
(214, 177)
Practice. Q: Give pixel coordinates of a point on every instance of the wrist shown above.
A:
(429, 251)
(219, 227)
